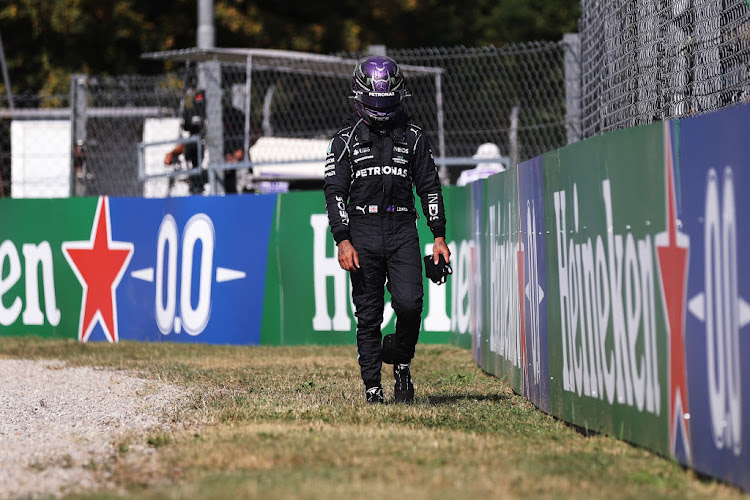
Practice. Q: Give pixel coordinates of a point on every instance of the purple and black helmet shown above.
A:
(377, 89)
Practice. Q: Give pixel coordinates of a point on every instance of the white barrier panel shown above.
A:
(40, 158)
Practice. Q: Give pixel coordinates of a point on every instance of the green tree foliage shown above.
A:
(47, 40)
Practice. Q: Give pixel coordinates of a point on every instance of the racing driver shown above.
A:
(372, 166)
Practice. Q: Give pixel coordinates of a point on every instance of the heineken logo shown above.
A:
(505, 312)
(607, 303)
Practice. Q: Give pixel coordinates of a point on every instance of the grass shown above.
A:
(291, 422)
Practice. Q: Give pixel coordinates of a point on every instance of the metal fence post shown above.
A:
(443, 170)
(572, 44)
(6, 78)
(78, 116)
(210, 73)
(513, 136)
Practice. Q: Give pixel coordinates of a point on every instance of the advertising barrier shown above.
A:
(180, 269)
(533, 313)
(712, 213)
(477, 291)
(607, 359)
(501, 347)
(463, 262)
(197, 272)
(308, 295)
(221, 270)
(39, 294)
(640, 286)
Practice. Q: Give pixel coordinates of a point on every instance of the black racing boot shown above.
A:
(403, 390)
(374, 395)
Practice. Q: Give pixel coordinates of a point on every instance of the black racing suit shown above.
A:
(370, 177)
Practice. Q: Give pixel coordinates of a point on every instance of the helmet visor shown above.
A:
(378, 100)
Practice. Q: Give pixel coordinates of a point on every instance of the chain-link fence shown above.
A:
(109, 115)
(513, 96)
(131, 135)
(648, 60)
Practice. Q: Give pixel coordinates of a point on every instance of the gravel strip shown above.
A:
(58, 424)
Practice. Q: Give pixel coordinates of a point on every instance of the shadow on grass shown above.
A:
(453, 398)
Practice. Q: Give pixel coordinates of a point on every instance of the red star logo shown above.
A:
(672, 248)
(99, 264)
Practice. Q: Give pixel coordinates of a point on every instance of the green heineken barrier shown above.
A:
(461, 242)
(604, 217)
(308, 295)
(501, 310)
(604, 200)
(37, 286)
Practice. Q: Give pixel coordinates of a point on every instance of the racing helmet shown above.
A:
(377, 89)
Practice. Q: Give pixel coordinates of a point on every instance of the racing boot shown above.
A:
(374, 395)
(403, 390)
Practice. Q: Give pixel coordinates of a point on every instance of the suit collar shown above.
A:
(397, 130)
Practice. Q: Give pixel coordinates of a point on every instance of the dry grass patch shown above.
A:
(270, 422)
